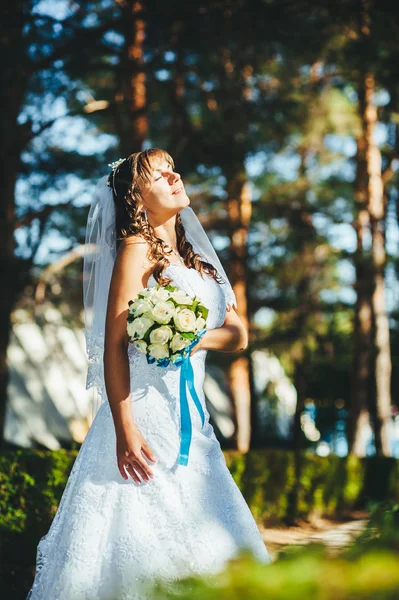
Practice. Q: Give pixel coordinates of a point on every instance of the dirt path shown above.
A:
(334, 534)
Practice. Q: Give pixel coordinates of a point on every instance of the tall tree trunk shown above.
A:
(131, 118)
(377, 206)
(371, 380)
(359, 415)
(13, 80)
(239, 211)
(9, 274)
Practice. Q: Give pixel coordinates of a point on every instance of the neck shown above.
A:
(166, 231)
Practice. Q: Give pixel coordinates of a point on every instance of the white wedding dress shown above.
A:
(112, 537)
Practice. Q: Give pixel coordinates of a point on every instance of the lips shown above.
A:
(178, 190)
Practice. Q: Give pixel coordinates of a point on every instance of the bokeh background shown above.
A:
(282, 117)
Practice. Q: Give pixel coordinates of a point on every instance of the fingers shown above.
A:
(142, 468)
(135, 465)
(149, 453)
(122, 470)
(132, 462)
(132, 473)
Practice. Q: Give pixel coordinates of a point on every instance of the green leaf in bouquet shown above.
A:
(171, 288)
(187, 334)
(203, 310)
(130, 302)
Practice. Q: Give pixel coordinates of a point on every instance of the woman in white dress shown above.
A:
(135, 509)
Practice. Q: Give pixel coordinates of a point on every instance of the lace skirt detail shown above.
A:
(113, 538)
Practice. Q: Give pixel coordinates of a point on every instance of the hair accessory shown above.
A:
(114, 165)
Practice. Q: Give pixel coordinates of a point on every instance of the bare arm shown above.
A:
(232, 336)
(130, 274)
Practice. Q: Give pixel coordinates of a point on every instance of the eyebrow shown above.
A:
(161, 169)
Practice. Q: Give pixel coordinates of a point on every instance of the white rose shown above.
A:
(200, 324)
(162, 312)
(141, 346)
(139, 307)
(185, 319)
(158, 350)
(181, 297)
(139, 327)
(161, 295)
(161, 335)
(179, 342)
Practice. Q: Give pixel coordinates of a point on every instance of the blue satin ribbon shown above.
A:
(186, 379)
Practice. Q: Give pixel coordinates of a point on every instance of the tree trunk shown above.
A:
(359, 416)
(381, 347)
(9, 275)
(12, 80)
(239, 211)
(372, 358)
(131, 118)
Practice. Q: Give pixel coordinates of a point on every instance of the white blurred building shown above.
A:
(49, 405)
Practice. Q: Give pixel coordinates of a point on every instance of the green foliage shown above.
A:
(306, 573)
(32, 482)
(329, 486)
(382, 530)
(31, 486)
(367, 570)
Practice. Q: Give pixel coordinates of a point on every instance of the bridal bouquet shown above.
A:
(165, 322)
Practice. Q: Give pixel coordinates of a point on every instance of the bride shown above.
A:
(149, 496)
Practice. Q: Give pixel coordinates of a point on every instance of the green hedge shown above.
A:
(32, 482)
(328, 485)
(31, 485)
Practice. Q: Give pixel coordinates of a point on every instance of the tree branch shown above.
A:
(41, 214)
(83, 36)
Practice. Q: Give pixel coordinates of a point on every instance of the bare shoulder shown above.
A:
(133, 240)
(129, 276)
(132, 261)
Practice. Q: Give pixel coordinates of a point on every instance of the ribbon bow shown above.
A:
(186, 379)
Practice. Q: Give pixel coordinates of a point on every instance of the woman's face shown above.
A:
(165, 195)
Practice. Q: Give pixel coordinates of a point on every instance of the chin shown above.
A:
(185, 202)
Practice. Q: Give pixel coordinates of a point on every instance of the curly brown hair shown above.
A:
(130, 219)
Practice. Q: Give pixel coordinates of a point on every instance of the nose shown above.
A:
(176, 176)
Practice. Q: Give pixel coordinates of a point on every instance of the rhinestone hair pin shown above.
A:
(114, 165)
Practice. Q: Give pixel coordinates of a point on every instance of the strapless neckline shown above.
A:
(175, 264)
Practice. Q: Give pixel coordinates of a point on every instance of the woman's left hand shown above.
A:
(199, 345)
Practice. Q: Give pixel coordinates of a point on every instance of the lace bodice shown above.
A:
(207, 289)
